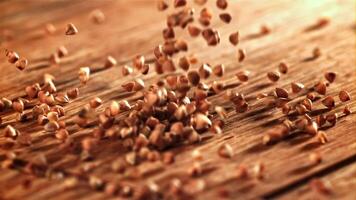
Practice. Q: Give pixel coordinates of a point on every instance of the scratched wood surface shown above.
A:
(134, 27)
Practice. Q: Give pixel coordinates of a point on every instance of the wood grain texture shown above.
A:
(134, 27)
(340, 181)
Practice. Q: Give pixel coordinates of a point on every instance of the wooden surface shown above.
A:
(134, 27)
(341, 180)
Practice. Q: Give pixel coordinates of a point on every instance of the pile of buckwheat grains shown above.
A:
(173, 111)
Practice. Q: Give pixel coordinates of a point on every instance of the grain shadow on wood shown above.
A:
(260, 111)
(309, 59)
(41, 138)
(232, 85)
(252, 36)
(35, 36)
(258, 148)
(39, 59)
(247, 187)
(208, 170)
(310, 146)
(262, 117)
(259, 87)
(152, 172)
(122, 95)
(302, 169)
(98, 69)
(272, 122)
(314, 27)
(38, 66)
(324, 128)
(43, 148)
(292, 116)
(319, 112)
(206, 138)
(297, 138)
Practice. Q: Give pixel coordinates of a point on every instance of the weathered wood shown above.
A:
(339, 183)
(135, 28)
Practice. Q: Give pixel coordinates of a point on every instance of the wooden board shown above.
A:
(135, 28)
(340, 181)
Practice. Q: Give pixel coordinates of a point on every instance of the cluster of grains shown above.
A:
(303, 109)
(175, 110)
(14, 58)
